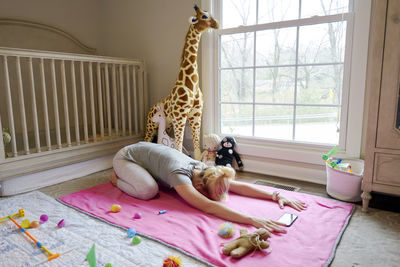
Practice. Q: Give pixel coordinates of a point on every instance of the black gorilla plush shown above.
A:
(225, 155)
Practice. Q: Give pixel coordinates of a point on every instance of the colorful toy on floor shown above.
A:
(226, 230)
(162, 211)
(21, 213)
(25, 224)
(172, 261)
(116, 208)
(91, 257)
(246, 243)
(38, 244)
(136, 240)
(34, 224)
(131, 232)
(61, 223)
(43, 218)
(137, 215)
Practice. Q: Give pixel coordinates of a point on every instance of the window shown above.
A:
(281, 66)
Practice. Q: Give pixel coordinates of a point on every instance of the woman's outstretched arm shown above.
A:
(197, 200)
(246, 189)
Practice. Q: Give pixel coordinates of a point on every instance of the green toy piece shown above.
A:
(91, 257)
(136, 240)
(330, 153)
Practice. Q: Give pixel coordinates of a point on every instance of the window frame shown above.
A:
(350, 144)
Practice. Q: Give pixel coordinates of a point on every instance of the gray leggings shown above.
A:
(133, 179)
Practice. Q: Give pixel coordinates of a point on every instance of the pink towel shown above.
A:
(310, 241)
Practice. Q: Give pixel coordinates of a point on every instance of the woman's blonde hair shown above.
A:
(215, 181)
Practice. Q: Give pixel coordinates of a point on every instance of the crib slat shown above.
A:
(83, 96)
(92, 109)
(146, 100)
(141, 101)
(108, 102)
(100, 99)
(45, 109)
(121, 88)
(10, 113)
(128, 96)
(55, 103)
(2, 149)
(65, 102)
(135, 102)
(75, 103)
(22, 106)
(34, 109)
(115, 101)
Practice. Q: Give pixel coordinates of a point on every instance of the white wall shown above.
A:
(153, 30)
(77, 17)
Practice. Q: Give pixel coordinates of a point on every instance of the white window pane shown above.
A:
(317, 124)
(237, 119)
(275, 85)
(320, 84)
(277, 10)
(238, 12)
(237, 50)
(276, 47)
(274, 121)
(322, 43)
(311, 8)
(237, 85)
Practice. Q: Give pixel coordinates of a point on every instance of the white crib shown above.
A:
(62, 108)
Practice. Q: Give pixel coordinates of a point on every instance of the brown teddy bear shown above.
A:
(246, 243)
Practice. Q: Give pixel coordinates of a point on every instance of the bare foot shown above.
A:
(113, 178)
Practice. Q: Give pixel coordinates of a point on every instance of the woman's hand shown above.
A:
(269, 225)
(297, 205)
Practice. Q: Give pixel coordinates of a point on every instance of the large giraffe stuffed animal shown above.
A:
(185, 102)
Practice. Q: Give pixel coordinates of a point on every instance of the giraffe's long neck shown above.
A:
(188, 74)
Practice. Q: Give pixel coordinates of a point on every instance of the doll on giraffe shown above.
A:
(185, 101)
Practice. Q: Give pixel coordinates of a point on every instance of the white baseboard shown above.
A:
(285, 169)
(29, 182)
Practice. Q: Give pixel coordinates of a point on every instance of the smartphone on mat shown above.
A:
(287, 219)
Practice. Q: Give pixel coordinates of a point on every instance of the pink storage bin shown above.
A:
(344, 185)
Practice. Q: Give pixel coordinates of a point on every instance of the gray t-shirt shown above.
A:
(167, 165)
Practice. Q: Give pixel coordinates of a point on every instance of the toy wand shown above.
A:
(51, 257)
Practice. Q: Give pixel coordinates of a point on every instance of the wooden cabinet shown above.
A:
(382, 151)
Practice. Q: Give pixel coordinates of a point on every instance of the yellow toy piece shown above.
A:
(116, 208)
(21, 213)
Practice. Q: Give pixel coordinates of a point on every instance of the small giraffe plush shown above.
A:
(162, 135)
(185, 102)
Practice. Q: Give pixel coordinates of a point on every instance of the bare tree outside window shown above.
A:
(282, 82)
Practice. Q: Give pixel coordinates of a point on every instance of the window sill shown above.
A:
(285, 151)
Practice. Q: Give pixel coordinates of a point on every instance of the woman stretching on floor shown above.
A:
(200, 186)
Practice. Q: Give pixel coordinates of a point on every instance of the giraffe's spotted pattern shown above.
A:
(185, 102)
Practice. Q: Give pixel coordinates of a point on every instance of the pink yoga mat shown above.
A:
(310, 241)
